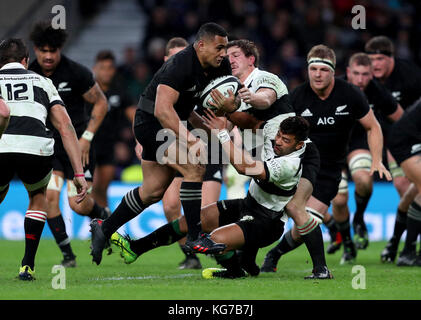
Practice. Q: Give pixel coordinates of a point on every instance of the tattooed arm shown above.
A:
(95, 96)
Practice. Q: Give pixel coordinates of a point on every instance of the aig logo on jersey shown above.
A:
(326, 121)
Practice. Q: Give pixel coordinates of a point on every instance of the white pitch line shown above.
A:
(145, 277)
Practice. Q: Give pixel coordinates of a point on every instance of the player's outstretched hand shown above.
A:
(381, 169)
(221, 102)
(211, 121)
(81, 187)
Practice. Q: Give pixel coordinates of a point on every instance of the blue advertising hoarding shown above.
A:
(379, 216)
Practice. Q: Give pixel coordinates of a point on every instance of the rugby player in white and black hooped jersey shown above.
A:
(27, 146)
(359, 73)
(76, 85)
(332, 106)
(403, 79)
(169, 99)
(240, 224)
(265, 99)
(405, 145)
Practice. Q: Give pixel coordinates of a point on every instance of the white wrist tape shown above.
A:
(88, 135)
(224, 136)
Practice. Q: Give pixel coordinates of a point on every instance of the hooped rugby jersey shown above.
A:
(275, 114)
(332, 119)
(30, 97)
(282, 176)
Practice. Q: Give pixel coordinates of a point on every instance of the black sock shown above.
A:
(96, 211)
(163, 236)
(33, 225)
(400, 226)
(331, 226)
(191, 200)
(314, 244)
(248, 261)
(187, 252)
(130, 206)
(361, 205)
(58, 229)
(413, 227)
(345, 230)
(286, 245)
(229, 261)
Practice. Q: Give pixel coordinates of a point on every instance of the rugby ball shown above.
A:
(223, 84)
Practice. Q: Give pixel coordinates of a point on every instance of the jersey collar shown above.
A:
(250, 77)
(13, 65)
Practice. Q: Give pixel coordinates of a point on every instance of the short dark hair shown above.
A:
(12, 50)
(105, 55)
(43, 34)
(210, 30)
(380, 45)
(360, 59)
(323, 52)
(248, 47)
(176, 42)
(297, 126)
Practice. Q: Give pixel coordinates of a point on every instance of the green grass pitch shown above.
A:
(154, 276)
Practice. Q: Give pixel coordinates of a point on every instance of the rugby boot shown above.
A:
(320, 273)
(390, 251)
(212, 273)
(360, 236)
(123, 243)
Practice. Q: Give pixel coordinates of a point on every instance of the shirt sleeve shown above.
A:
(86, 79)
(387, 104)
(53, 95)
(360, 105)
(271, 81)
(175, 74)
(280, 169)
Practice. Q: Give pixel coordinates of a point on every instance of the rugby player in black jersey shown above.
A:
(121, 109)
(402, 78)
(26, 147)
(332, 106)
(359, 73)
(76, 85)
(169, 99)
(405, 145)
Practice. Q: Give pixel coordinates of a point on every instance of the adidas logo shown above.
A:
(88, 174)
(218, 175)
(306, 113)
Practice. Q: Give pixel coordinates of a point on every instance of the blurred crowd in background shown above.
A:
(284, 31)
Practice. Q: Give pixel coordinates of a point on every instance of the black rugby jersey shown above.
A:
(410, 122)
(331, 120)
(184, 73)
(404, 83)
(383, 105)
(72, 80)
(119, 100)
